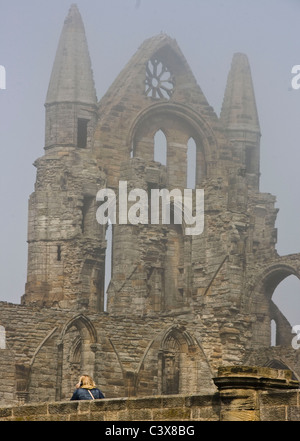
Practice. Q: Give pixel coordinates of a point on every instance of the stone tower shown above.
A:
(61, 216)
(178, 305)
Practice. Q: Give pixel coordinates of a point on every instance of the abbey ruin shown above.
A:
(177, 306)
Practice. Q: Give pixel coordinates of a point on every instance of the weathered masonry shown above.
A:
(177, 307)
(244, 393)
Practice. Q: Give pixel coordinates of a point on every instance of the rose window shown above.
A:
(159, 80)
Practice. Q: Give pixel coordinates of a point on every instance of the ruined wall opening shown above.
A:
(175, 139)
(276, 298)
(173, 289)
(160, 147)
(82, 125)
(191, 164)
(196, 164)
(108, 261)
(58, 255)
(286, 297)
(273, 333)
(250, 160)
(86, 224)
(91, 294)
(2, 337)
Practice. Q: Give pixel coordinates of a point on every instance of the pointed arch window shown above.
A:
(191, 163)
(160, 147)
(273, 333)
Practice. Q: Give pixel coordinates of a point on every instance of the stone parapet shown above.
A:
(158, 408)
(242, 396)
(245, 394)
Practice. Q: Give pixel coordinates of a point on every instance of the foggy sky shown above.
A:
(208, 32)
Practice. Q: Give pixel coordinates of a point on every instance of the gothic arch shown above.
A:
(275, 274)
(179, 360)
(276, 363)
(260, 301)
(184, 339)
(76, 354)
(168, 117)
(200, 127)
(84, 326)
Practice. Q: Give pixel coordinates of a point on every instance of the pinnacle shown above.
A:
(239, 107)
(73, 12)
(72, 78)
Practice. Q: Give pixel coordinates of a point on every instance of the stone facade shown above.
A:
(178, 306)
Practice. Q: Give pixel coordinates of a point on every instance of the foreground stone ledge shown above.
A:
(245, 394)
(251, 393)
(254, 377)
(158, 408)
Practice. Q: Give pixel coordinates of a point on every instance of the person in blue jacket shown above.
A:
(86, 389)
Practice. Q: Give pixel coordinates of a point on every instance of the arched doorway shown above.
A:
(75, 354)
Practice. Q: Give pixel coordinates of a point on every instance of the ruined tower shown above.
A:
(61, 216)
(177, 305)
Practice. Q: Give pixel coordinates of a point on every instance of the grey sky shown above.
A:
(208, 32)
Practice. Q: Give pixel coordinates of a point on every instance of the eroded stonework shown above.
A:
(178, 306)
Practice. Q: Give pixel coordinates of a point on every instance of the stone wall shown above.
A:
(271, 406)
(244, 394)
(159, 408)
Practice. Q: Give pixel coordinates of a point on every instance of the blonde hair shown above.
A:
(87, 381)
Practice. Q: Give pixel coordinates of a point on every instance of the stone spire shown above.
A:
(72, 76)
(239, 107)
(71, 103)
(240, 119)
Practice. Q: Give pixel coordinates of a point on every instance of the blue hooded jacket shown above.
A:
(84, 394)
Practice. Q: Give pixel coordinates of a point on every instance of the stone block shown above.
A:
(27, 410)
(273, 413)
(63, 408)
(279, 398)
(172, 414)
(293, 413)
